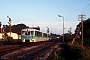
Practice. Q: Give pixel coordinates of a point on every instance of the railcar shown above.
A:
(33, 35)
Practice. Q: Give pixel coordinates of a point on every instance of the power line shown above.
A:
(87, 9)
(87, 5)
(84, 7)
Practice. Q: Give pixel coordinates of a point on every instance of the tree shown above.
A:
(15, 28)
(86, 28)
(0, 24)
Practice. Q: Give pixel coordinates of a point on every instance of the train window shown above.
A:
(27, 33)
(23, 32)
(31, 34)
(44, 35)
(36, 33)
(40, 34)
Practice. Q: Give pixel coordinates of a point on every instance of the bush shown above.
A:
(68, 38)
(72, 52)
(86, 41)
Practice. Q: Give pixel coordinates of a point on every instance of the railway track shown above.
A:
(27, 52)
(37, 53)
(45, 53)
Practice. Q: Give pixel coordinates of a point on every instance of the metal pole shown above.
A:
(63, 26)
(63, 29)
(82, 33)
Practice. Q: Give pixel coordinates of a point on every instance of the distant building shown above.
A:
(13, 35)
(2, 36)
(2, 30)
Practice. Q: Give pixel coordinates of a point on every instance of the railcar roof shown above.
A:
(29, 29)
(45, 32)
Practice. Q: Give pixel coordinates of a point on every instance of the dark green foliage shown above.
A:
(0, 24)
(60, 54)
(78, 41)
(86, 41)
(6, 28)
(72, 52)
(15, 28)
(86, 54)
(68, 37)
(86, 28)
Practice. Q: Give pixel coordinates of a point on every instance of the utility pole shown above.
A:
(63, 26)
(82, 19)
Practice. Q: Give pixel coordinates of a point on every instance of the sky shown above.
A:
(44, 13)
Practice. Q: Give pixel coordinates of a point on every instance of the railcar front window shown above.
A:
(23, 32)
(27, 33)
(31, 34)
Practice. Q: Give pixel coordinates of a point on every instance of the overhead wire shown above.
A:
(87, 5)
(84, 7)
(87, 9)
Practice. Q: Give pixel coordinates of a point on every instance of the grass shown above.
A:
(72, 52)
